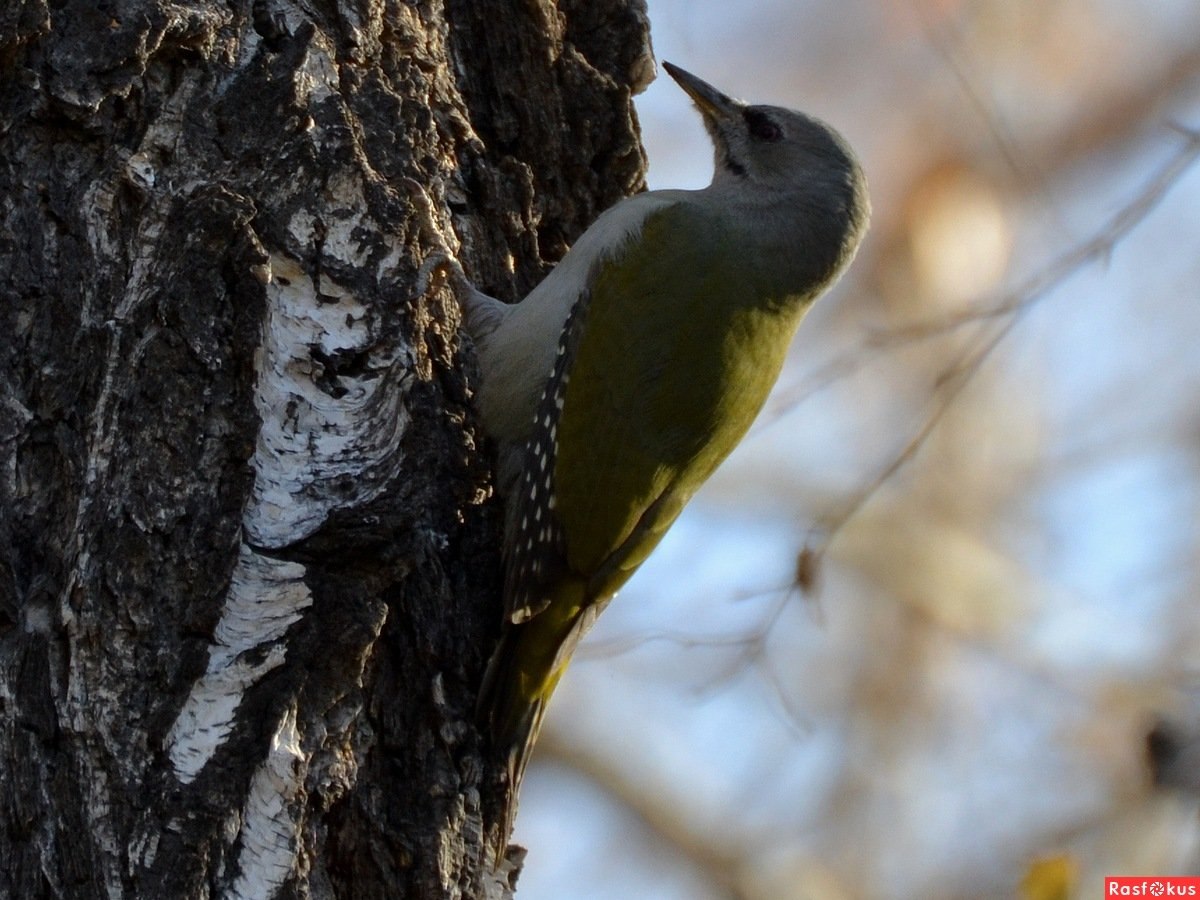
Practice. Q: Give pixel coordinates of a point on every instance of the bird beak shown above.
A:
(712, 103)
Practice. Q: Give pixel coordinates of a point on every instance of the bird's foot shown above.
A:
(441, 267)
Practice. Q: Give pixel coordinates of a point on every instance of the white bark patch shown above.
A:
(329, 438)
(316, 450)
(330, 398)
(265, 598)
(343, 232)
(317, 77)
(270, 820)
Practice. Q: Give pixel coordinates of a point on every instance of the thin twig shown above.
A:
(1007, 313)
(1097, 249)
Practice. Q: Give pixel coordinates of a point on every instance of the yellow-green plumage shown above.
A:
(647, 421)
(620, 384)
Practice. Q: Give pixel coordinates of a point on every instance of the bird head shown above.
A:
(768, 146)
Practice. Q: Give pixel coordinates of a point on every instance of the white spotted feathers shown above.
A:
(537, 545)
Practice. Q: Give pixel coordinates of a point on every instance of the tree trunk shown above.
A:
(248, 550)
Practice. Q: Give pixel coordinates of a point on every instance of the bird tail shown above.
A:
(512, 704)
(522, 674)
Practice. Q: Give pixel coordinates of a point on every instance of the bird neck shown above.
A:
(804, 235)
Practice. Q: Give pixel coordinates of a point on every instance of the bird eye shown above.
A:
(762, 127)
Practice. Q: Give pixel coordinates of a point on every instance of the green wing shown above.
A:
(681, 345)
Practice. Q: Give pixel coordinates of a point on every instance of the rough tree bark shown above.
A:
(248, 564)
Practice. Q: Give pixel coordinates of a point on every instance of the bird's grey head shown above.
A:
(770, 147)
(780, 166)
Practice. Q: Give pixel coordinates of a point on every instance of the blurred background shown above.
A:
(933, 630)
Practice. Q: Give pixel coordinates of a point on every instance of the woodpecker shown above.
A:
(616, 387)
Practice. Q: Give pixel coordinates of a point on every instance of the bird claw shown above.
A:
(481, 313)
(441, 267)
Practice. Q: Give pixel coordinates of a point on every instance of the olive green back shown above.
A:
(659, 395)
